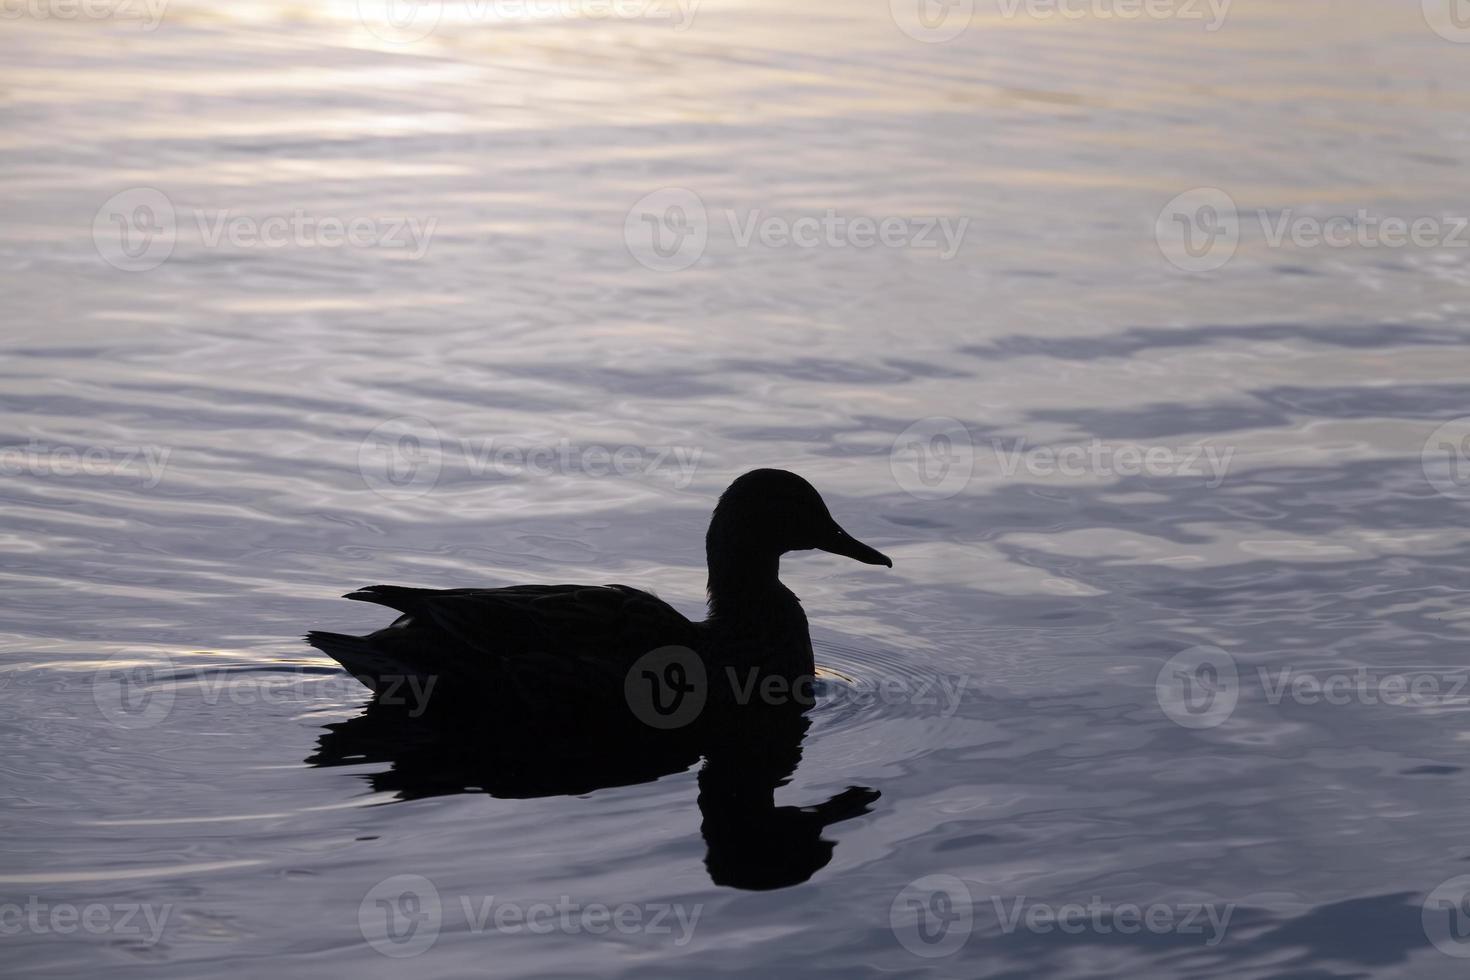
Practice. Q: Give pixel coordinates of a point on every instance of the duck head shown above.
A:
(765, 514)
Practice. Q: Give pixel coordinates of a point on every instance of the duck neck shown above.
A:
(742, 582)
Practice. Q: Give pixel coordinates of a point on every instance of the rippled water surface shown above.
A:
(204, 451)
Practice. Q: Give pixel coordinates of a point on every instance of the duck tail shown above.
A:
(362, 660)
(399, 597)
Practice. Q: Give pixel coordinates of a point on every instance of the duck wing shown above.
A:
(527, 617)
(534, 646)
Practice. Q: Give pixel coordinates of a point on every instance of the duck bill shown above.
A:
(839, 542)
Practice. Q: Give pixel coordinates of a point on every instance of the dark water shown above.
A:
(1172, 649)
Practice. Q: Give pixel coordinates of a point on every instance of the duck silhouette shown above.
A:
(568, 689)
(580, 658)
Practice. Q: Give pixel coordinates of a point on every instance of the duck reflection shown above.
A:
(752, 843)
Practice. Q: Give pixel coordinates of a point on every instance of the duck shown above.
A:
(589, 651)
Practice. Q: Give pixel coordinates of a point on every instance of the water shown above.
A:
(241, 402)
